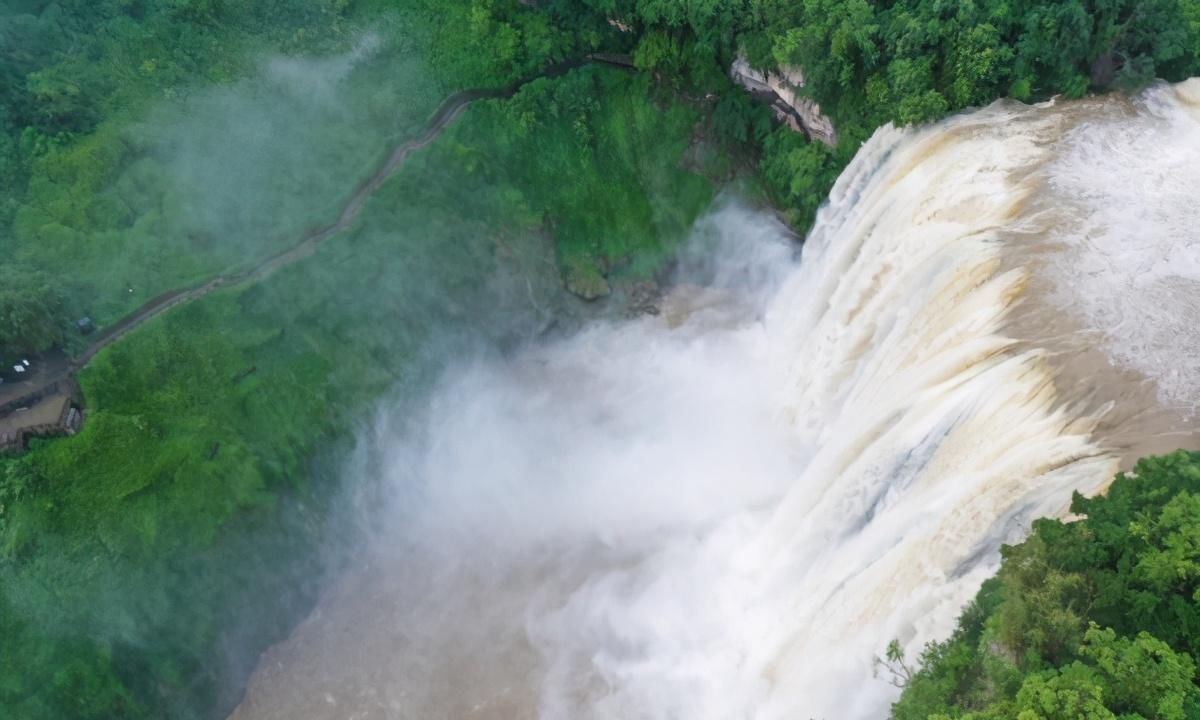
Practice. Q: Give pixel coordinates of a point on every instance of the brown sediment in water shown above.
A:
(1134, 421)
(378, 645)
(358, 655)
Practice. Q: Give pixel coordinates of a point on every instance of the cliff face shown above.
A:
(781, 91)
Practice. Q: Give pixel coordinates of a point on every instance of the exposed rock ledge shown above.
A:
(780, 90)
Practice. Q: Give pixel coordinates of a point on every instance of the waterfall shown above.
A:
(729, 510)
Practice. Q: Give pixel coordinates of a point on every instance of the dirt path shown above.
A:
(449, 111)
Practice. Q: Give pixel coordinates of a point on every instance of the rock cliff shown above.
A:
(781, 90)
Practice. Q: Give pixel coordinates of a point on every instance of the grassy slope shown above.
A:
(178, 141)
(138, 554)
(169, 190)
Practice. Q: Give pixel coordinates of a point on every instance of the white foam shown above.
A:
(778, 498)
(1132, 263)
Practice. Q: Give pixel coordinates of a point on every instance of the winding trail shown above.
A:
(449, 110)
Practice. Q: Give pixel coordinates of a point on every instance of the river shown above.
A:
(729, 510)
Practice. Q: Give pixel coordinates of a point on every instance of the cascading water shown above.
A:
(729, 510)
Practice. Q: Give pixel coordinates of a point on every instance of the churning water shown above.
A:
(728, 510)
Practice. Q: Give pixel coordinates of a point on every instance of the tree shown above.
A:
(1142, 675)
(799, 172)
(31, 311)
(1089, 619)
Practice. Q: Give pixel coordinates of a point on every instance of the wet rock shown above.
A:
(587, 282)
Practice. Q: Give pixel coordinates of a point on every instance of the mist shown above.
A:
(640, 430)
(513, 505)
(218, 177)
(730, 508)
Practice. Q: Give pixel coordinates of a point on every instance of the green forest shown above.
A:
(1090, 619)
(148, 145)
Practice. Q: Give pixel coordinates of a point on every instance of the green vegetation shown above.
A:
(1090, 619)
(147, 145)
(136, 556)
(627, 193)
(145, 562)
(30, 312)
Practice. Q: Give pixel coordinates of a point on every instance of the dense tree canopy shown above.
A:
(913, 60)
(30, 312)
(1090, 619)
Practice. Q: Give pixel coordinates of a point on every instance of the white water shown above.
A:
(728, 511)
(1130, 202)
